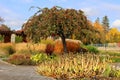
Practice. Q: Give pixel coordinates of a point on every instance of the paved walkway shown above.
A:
(12, 72)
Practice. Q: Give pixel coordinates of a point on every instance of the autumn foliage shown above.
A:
(72, 46)
(49, 49)
(113, 35)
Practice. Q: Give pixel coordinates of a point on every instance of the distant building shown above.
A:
(7, 34)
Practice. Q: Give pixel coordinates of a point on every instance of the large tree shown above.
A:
(59, 21)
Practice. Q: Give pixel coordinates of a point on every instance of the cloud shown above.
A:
(11, 18)
(90, 11)
(116, 23)
(16, 24)
(112, 7)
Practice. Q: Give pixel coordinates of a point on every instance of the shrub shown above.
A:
(41, 57)
(92, 49)
(1, 38)
(72, 46)
(49, 49)
(10, 49)
(20, 59)
(38, 58)
(18, 39)
(58, 47)
(115, 59)
(72, 66)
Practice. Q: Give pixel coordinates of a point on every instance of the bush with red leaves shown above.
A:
(49, 49)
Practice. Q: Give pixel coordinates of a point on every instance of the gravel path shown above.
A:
(12, 72)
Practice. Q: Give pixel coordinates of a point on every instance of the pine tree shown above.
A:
(97, 20)
(105, 24)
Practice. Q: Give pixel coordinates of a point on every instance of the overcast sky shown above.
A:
(16, 12)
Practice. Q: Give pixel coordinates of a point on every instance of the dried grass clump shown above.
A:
(21, 46)
(7, 48)
(20, 59)
(29, 46)
(73, 66)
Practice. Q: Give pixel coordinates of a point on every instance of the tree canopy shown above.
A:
(62, 22)
(55, 20)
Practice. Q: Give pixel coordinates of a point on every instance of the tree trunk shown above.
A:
(61, 34)
(64, 43)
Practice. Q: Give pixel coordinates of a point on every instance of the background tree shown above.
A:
(100, 34)
(105, 23)
(58, 21)
(4, 27)
(113, 35)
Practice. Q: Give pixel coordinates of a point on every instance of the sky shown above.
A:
(17, 12)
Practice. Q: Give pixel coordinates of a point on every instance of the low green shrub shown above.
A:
(115, 59)
(18, 39)
(1, 38)
(41, 57)
(38, 58)
(92, 49)
(20, 59)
